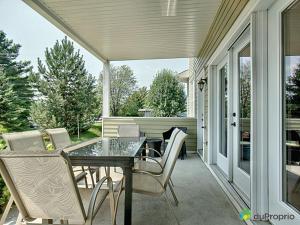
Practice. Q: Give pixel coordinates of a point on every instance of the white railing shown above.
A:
(153, 127)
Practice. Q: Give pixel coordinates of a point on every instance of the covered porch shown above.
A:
(156, 29)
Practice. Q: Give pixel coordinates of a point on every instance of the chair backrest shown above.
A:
(174, 152)
(59, 137)
(167, 134)
(25, 141)
(129, 130)
(169, 147)
(42, 185)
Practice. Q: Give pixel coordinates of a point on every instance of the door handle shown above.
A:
(233, 124)
(203, 127)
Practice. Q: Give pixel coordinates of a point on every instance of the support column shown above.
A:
(106, 90)
(259, 153)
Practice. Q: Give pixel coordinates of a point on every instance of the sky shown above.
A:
(26, 27)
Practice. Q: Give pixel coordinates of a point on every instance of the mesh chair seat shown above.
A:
(148, 166)
(147, 184)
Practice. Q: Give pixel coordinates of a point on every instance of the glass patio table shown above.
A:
(110, 152)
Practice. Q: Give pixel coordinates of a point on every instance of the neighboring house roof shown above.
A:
(145, 110)
(183, 76)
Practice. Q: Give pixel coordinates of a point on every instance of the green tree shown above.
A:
(4, 194)
(16, 92)
(293, 93)
(245, 88)
(134, 102)
(122, 85)
(166, 96)
(67, 92)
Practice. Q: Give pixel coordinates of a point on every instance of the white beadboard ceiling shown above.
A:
(133, 29)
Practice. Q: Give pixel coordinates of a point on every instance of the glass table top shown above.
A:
(108, 147)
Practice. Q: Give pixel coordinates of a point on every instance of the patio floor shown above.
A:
(201, 201)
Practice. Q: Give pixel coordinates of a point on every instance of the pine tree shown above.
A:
(16, 92)
(67, 91)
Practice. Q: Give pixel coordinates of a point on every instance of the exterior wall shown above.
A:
(153, 127)
(232, 23)
(197, 72)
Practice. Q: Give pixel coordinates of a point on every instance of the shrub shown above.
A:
(4, 194)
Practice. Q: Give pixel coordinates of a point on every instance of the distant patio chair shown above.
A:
(44, 189)
(25, 141)
(129, 130)
(60, 139)
(147, 183)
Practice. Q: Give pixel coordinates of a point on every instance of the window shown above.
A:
(224, 109)
(291, 105)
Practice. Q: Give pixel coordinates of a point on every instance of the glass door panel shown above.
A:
(291, 105)
(241, 116)
(224, 110)
(222, 159)
(244, 60)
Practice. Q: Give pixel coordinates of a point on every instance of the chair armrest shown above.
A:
(91, 210)
(80, 176)
(155, 161)
(152, 149)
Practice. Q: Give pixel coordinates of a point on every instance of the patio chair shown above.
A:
(156, 165)
(129, 130)
(147, 183)
(44, 189)
(167, 135)
(60, 139)
(25, 141)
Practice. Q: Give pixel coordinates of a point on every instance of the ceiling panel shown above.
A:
(133, 29)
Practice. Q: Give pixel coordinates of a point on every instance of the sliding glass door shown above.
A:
(222, 154)
(284, 110)
(241, 116)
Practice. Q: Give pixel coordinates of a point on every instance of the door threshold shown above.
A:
(232, 194)
(241, 194)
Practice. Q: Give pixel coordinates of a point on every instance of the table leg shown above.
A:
(98, 174)
(128, 196)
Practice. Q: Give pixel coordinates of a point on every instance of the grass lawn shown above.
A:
(93, 132)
